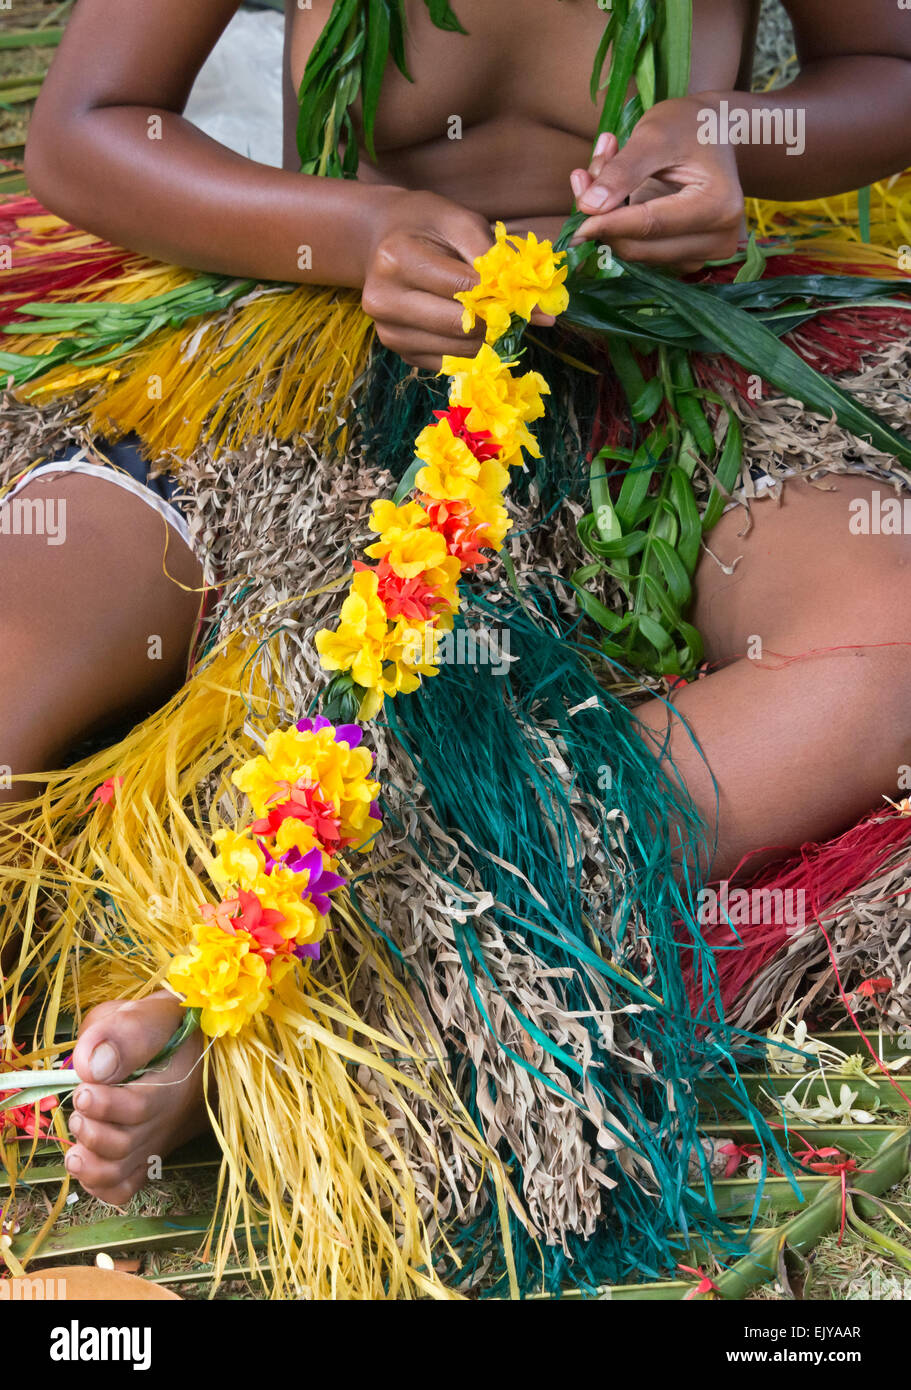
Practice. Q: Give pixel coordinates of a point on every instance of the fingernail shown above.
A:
(73, 1163)
(577, 183)
(103, 1062)
(596, 197)
(601, 144)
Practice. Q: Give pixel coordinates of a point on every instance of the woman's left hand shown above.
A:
(686, 203)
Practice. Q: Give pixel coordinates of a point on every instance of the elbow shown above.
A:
(53, 165)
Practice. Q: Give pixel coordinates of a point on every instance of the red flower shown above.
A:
(27, 1119)
(454, 522)
(105, 793)
(480, 442)
(407, 598)
(303, 804)
(880, 985)
(246, 913)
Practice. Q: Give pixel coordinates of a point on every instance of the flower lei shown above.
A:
(396, 613)
(311, 790)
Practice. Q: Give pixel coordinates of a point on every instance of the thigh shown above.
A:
(99, 599)
(805, 569)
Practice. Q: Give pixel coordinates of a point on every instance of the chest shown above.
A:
(526, 59)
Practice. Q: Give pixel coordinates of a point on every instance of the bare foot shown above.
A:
(121, 1130)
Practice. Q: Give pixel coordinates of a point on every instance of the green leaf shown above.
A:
(678, 581)
(623, 63)
(675, 48)
(645, 404)
(407, 484)
(681, 494)
(601, 56)
(726, 473)
(753, 266)
(653, 632)
(598, 611)
(376, 55)
(443, 17)
(758, 350)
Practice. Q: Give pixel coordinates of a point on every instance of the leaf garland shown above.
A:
(347, 63)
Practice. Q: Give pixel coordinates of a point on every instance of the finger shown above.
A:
(471, 236)
(422, 349)
(606, 146)
(645, 154)
(689, 212)
(426, 313)
(689, 252)
(579, 181)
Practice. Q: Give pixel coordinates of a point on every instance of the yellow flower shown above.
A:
(411, 652)
(256, 779)
(281, 891)
(498, 401)
(406, 542)
(222, 975)
(294, 834)
(357, 644)
(239, 861)
(518, 275)
(451, 466)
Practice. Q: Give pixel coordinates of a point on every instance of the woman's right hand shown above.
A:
(421, 255)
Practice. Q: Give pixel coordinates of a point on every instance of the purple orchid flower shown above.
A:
(352, 734)
(309, 952)
(320, 882)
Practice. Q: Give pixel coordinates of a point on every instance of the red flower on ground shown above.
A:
(881, 984)
(26, 1119)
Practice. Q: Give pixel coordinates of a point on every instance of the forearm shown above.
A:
(855, 118)
(186, 199)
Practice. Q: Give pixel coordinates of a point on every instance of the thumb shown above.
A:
(470, 236)
(644, 154)
(120, 1038)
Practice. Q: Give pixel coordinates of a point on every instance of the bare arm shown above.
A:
(854, 88)
(110, 150)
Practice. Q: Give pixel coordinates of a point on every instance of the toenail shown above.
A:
(82, 1099)
(75, 1123)
(103, 1062)
(73, 1163)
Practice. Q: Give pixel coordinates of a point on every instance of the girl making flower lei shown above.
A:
(427, 220)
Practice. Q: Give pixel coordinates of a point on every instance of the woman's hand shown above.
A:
(686, 203)
(421, 256)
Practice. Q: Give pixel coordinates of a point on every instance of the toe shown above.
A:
(104, 1140)
(118, 1105)
(109, 1181)
(118, 1039)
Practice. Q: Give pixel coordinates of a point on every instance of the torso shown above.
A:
(519, 83)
